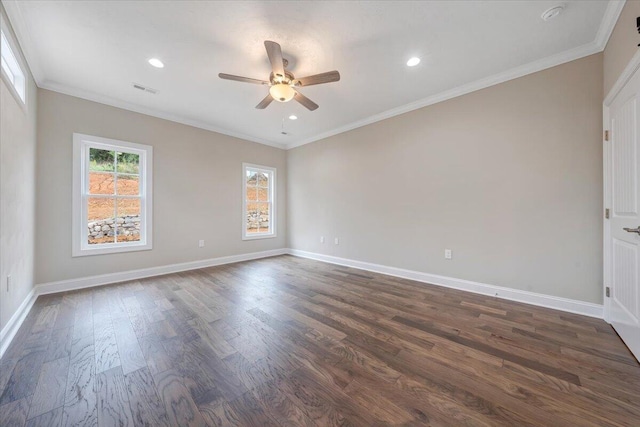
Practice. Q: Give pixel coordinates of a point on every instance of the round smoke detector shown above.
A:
(551, 13)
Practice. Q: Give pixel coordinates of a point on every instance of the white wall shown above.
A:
(509, 178)
(17, 193)
(197, 183)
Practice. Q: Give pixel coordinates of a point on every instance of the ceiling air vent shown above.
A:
(144, 88)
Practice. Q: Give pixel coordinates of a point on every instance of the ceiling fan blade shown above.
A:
(242, 79)
(318, 79)
(265, 102)
(309, 104)
(274, 52)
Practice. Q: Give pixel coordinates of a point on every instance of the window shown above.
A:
(258, 213)
(111, 196)
(11, 69)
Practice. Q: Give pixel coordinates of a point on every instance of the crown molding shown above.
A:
(514, 73)
(609, 20)
(608, 23)
(113, 102)
(17, 22)
(623, 79)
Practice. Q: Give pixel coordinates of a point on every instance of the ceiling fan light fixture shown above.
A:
(282, 92)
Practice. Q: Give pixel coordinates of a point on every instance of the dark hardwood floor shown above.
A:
(289, 341)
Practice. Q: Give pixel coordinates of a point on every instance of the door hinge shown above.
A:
(606, 213)
(607, 291)
(606, 135)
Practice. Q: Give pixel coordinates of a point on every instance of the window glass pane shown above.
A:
(101, 183)
(128, 185)
(252, 177)
(128, 163)
(252, 218)
(263, 179)
(257, 218)
(128, 220)
(116, 193)
(100, 220)
(11, 66)
(263, 216)
(101, 160)
(252, 194)
(6, 69)
(263, 194)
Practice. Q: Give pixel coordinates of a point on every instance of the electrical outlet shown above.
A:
(201, 243)
(448, 254)
(321, 239)
(8, 283)
(336, 241)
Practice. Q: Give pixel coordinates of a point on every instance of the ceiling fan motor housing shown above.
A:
(288, 78)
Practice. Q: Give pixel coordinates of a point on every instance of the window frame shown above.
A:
(272, 200)
(16, 76)
(81, 146)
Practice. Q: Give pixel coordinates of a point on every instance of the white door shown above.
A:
(623, 237)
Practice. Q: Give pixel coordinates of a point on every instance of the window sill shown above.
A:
(110, 250)
(260, 236)
(22, 103)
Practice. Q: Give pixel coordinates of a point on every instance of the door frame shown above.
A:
(630, 70)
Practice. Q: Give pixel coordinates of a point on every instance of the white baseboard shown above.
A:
(572, 306)
(11, 328)
(104, 279)
(548, 301)
(9, 331)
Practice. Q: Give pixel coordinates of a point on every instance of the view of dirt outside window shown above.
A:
(113, 211)
(258, 196)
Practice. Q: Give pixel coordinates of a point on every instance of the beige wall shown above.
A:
(197, 183)
(622, 44)
(17, 194)
(509, 178)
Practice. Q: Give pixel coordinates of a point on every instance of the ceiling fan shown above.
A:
(282, 83)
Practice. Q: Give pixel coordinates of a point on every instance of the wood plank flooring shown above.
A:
(286, 341)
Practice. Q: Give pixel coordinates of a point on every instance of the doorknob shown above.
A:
(632, 230)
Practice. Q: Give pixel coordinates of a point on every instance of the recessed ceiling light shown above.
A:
(293, 117)
(413, 61)
(156, 63)
(551, 13)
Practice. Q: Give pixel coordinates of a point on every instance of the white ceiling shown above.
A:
(97, 49)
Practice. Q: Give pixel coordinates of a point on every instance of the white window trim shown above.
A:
(272, 192)
(10, 80)
(81, 145)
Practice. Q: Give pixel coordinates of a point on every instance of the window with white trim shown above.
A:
(112, 196)
(258, 213)
(11, 69)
